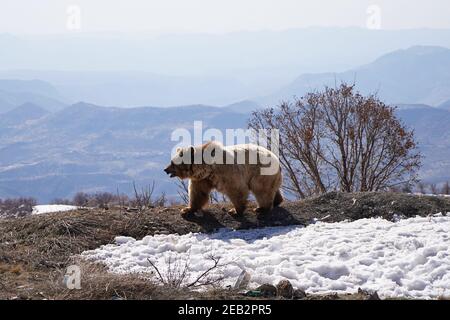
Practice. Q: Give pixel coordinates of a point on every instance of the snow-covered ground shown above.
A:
(407, 258)
(48, 208)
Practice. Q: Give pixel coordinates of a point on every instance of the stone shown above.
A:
(299, 294)
(285, 289)
(267, 290)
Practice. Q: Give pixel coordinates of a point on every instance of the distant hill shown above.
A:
(90, 148)
(445, 105)
(14, 93)
(245, 106)
(257, 61)
(418, 75)
(136, 88)
(21, 114)
(432, 130)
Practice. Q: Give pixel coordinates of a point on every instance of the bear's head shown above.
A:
(193, 162)
(181, 164)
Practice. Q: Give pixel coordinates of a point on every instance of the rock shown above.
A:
(285, 289)
(267, 290)
(368, 295)
(242, 281)
(299, 294)
(373, 296)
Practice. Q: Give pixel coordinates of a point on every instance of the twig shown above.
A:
(157, 270)
(205, 273)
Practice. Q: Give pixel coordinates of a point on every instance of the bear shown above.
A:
(233, 170)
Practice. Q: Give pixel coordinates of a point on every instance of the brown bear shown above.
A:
(232, 170)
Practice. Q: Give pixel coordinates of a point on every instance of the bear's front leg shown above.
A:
(199, 191)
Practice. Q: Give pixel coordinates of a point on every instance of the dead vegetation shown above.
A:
(36, 250)
(18, 207)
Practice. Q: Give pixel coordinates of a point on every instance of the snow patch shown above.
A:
(49, 208)
(407, 258)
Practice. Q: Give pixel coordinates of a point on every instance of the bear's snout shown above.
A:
(170, 171)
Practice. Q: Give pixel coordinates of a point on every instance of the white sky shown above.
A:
(216, 16)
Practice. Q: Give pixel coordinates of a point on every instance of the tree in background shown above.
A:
(338, 139)
(446, 188)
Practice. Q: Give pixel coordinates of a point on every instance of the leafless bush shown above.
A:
(338, 139)
(446, 188)
(18, 207)
(421, 188)
(61, 201)
(102, 200)
(161, 201)
(81, 199)
(183, 190)
(144, 198)
(217, 197)
(433, 188)
(177, 273)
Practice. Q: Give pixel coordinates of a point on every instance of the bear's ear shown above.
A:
(179, 151)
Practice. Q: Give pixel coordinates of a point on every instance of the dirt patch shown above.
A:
(34, 249)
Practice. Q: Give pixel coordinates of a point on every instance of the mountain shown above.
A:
(89, 148)
(14, 93)
(445, 105)
(261, 60)
(432, 131)
(418, 75)
(21, 114)
(136, 88)
(245, 106)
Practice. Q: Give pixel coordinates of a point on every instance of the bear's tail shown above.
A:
(278, 199)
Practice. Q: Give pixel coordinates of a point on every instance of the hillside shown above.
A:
(419, 74)
(14, 93)
(35, 250)
(90, 148)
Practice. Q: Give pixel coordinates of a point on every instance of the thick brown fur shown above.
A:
(235, 180)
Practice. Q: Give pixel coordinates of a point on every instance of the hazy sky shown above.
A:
(216, 16)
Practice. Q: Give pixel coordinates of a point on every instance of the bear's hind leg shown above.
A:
(278, 199)
(239, 200)
(265, 195)
(264, 201)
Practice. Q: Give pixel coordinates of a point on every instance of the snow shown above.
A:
(48, 208)
(405, 258)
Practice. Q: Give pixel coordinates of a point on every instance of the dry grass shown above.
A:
(36, 250)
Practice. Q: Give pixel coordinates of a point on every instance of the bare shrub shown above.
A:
(216, 197)
(102, 200)
(81, 199)
(338, 139)
(434, 188)
(177, 273)
(421, 188)
(17, 207)
(143, 198)
(61, 201)
(161, 201)
(446, 188)
(183, 190)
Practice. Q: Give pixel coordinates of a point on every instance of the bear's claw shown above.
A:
(186, 211)
(260, 210)
(234, 212)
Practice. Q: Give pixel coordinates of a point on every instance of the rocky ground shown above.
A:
(35, 250)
